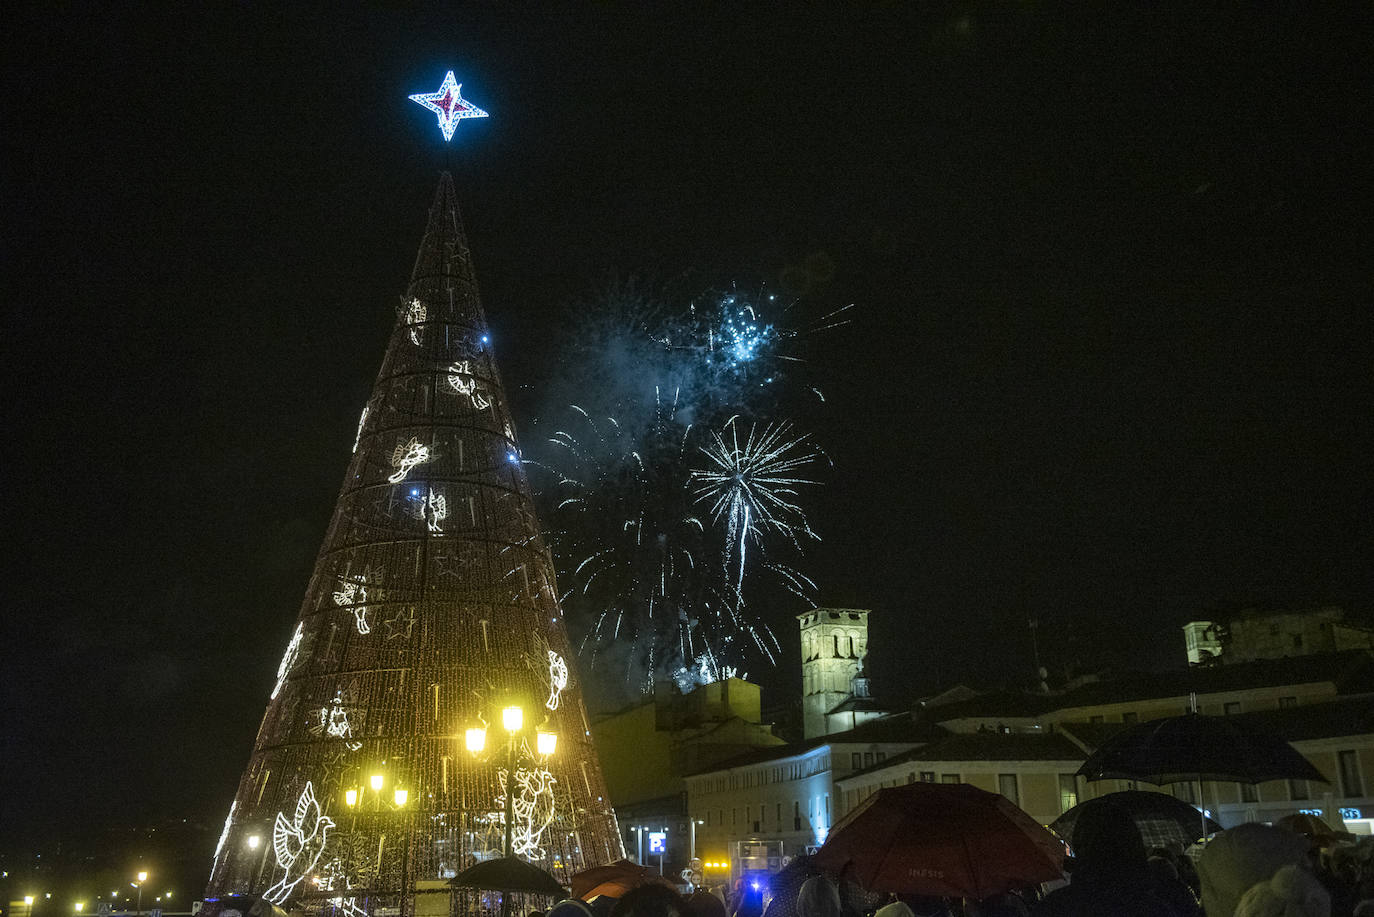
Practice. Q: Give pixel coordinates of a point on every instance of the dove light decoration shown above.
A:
(406, 457)
(298, 843)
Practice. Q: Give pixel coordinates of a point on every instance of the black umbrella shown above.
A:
(1161, 818)
(509, 874)
(1196, 747)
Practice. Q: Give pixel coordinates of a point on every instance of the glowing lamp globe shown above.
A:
(143, 877)
(254, 840)
(400, 796)
(350, 798)
(546, 742)
(512, 718)
(377, 780)
(475, 739)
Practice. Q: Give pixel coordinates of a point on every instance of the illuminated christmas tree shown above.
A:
(432, 608)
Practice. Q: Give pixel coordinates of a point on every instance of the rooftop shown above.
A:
(984, 746)
(1350, 671)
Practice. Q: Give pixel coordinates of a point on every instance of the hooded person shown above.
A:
(1109, 873)
(1241, 857)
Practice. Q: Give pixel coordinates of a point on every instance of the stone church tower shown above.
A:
(834, 642)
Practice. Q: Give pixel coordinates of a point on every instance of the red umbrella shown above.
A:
(952, 840)
(618, 877)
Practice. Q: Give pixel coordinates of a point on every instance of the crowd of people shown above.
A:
(1252, 870)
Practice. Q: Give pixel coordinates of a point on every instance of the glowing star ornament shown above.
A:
(298, 844)
(448, 103)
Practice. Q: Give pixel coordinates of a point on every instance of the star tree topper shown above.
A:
(449, 104)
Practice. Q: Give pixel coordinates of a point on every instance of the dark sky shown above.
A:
(1110, 365)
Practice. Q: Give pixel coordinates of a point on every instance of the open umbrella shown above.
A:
(941, 839)
(1162, 819)
(1180, 749)
(509, 874)
(613, 879)
(1313, 828)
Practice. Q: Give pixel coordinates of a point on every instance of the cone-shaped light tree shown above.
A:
(431, 610)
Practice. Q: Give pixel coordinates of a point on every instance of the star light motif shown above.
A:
(448, 103)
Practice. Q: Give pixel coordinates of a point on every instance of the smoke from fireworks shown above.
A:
(674, 499)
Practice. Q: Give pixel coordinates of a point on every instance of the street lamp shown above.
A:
(142, 877)
(475, 740)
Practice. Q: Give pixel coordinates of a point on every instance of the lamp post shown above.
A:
(142, 877)
(513, 722)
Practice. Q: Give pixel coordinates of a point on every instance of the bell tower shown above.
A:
(834, 642)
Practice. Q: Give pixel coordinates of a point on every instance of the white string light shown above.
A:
(361, 420)
(298, 844)
(405, 457)
(558, 679)
(224, 835)
(288, 659)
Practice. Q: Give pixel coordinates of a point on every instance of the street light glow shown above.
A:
(512, 718)
(476, 739)
(377, 780)
(546, 742)
(351, 797)
(401, 796)
(253, 842)
(143, 877)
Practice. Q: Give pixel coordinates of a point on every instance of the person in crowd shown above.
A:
(1109, 873)
(1291, 891)
(1241, 857)
(651, 900)
(701, 903)
(818, 897)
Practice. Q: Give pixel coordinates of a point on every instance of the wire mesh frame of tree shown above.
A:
(432, 604)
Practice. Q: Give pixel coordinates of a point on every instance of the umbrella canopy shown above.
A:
(622, 873)
(509, 874)
(1313, 828)
(1163, 820)
(941, 839)
(1197, 747)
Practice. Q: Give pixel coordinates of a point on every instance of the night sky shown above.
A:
(1110, 365)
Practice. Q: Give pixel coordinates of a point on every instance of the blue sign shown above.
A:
(1351, 814)
(658, 842)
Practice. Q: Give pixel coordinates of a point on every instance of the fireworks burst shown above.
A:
(752, 491)
(667, 519)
